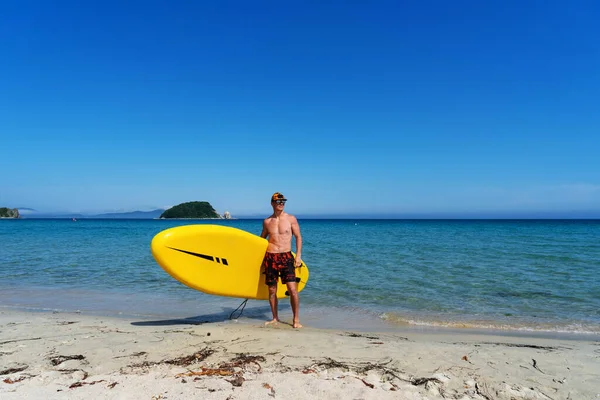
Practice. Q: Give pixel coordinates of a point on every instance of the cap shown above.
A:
(278, 196)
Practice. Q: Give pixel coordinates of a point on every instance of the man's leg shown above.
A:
(273, 303)
(295, 302)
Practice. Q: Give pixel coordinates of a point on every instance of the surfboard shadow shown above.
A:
(255, 313)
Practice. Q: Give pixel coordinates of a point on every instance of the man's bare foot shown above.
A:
(297, 325)
(274, 321)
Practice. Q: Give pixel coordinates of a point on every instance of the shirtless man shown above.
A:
(279, 261)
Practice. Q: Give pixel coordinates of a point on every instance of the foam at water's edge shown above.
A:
(400, 320)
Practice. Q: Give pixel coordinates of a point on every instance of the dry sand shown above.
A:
(57, 356)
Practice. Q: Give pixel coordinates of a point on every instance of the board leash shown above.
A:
(243, 305)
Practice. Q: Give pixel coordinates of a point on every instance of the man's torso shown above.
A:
(280, 234)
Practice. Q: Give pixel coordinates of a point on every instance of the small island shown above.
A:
(192, 210)
(9, 213)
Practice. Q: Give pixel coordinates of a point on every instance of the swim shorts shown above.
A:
(279, 265)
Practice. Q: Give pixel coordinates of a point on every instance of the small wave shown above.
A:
(577, 328)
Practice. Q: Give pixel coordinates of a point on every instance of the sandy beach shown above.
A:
(75, 356)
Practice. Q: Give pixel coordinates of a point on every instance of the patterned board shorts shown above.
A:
(278, 265)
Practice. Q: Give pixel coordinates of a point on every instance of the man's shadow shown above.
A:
(227, 314)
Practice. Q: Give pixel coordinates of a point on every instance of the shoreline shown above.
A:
(324, 321)
(50, 355)
(195, 311)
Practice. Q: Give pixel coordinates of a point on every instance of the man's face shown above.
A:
(279, 204)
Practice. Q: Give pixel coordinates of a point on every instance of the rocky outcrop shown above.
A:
(192, 209)
(9, 213)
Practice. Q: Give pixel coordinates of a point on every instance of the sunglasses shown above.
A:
(279, 201)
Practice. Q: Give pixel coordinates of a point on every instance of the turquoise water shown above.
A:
(514, 275)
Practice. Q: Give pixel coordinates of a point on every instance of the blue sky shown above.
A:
(347, 107)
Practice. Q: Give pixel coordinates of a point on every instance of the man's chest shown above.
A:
(280, 227)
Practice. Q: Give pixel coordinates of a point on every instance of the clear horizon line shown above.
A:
(494, 214)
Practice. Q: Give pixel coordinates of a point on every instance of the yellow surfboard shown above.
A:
(218, 260)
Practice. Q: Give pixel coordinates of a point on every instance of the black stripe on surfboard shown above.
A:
(204, 256)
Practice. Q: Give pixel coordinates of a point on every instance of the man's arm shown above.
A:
(298, 235)
(265, 231)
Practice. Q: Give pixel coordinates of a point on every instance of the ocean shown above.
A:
(512, 276)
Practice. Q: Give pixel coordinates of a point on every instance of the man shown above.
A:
(279, 261)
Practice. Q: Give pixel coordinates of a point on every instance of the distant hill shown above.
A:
(191, 209)
(116, 215)
(133, 214)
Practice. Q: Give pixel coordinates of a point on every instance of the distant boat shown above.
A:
(74, 219)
